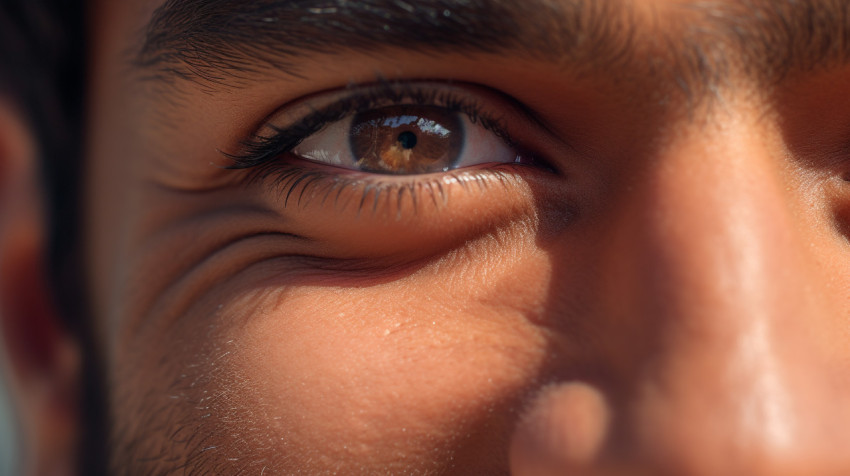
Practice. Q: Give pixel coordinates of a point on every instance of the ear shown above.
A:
(41, 358)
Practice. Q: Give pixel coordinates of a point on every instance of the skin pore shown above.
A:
(658, 287)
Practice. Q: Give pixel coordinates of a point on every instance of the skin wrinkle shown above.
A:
(196, 431)
(701, 69)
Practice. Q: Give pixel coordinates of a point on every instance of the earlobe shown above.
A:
(41, 358)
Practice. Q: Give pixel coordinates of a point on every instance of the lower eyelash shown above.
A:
(301, 185)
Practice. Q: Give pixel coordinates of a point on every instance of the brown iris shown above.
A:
(406, 140)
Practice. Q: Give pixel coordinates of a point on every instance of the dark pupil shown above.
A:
(407, 139)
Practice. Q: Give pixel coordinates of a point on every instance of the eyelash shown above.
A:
(266, 156)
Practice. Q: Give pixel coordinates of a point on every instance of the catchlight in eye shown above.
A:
(406, 140)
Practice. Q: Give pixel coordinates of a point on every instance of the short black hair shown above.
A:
(42, 73)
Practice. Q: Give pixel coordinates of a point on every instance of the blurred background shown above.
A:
(36, 41)
(8, 440)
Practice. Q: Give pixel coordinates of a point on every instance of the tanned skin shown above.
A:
(636, 264)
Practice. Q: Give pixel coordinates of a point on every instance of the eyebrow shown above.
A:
(216, 40)
(781, 37)
(227, 42)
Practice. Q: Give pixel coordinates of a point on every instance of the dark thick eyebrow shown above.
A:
(777, 38)
(224, 40)
(227, 42)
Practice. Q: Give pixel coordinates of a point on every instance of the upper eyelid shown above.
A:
(425, 92)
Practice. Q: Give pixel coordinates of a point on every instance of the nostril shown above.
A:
(565, 427)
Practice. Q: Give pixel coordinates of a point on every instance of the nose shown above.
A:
(722, 348)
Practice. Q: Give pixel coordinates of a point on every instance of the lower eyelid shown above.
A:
(358, 215)
(299, 184)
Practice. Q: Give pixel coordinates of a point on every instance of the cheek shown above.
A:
(414, 373)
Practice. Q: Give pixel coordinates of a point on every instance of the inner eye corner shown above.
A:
(538, 161)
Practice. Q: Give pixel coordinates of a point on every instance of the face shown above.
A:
(483, 237)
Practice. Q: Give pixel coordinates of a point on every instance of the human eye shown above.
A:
(404, 139)
(391, 136)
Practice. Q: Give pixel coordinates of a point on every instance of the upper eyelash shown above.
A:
(259, 150)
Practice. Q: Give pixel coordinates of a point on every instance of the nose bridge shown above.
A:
(704, 236)
(708, 271)
(712, 218)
